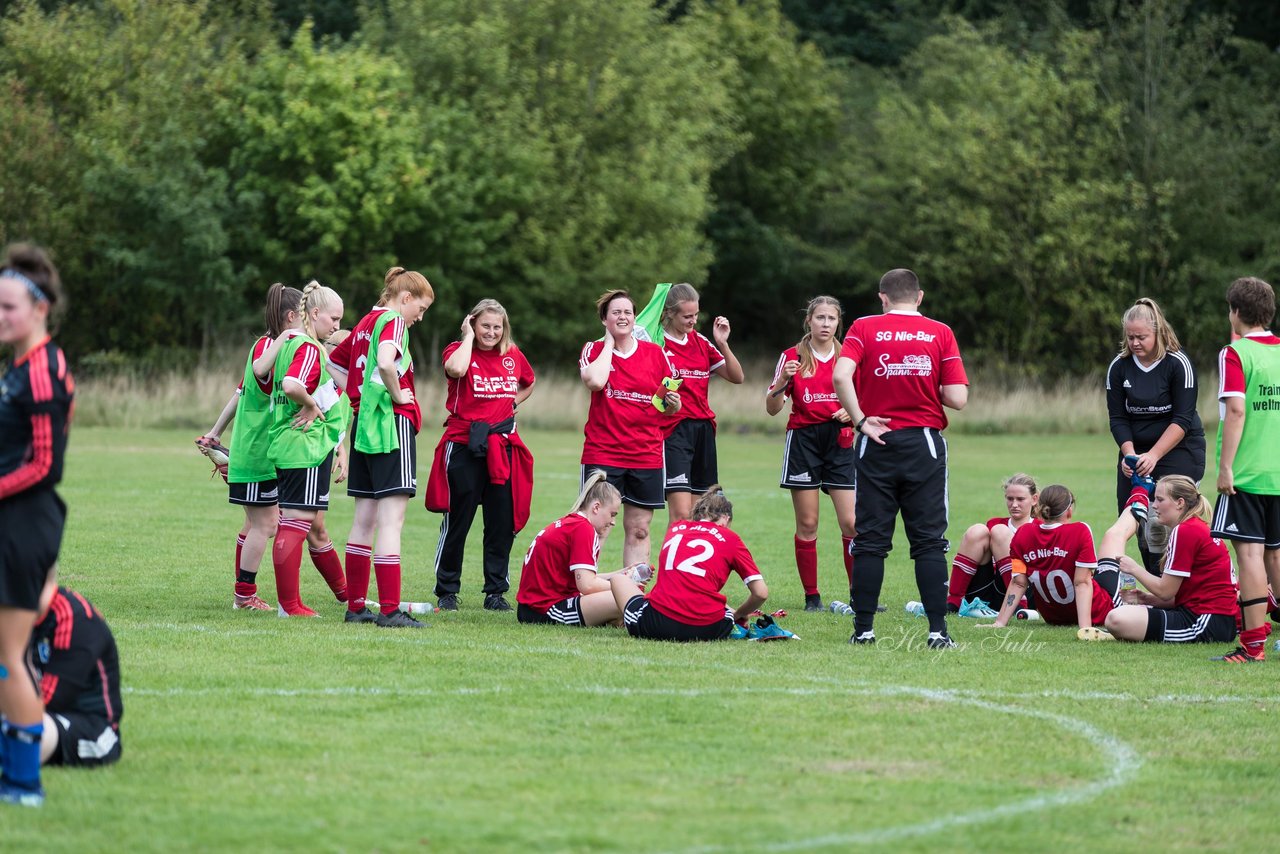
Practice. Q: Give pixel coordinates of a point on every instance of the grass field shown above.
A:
(243, 731)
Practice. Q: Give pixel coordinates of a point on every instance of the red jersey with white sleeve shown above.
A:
(487, 391)
(566, 545)
(695, 359)
(304, 370)
(623, 427)
(992, 524)
(1231, 371)
(355, 350)
(695, 562)
(904, 359)
(813, 398)
(259, 347)
(1051, 553)
(1204, 565)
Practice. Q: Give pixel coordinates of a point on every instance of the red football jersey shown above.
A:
(305, 367)
(1204, 564)
(352, 354)
(1052, 553)
(694, 564)
(904, 359)
(487, 391)
(623, 428)
(813, 398)
(695, 359)
(259, 347)
(1231, 371)
(1004, 520)
(557, 550)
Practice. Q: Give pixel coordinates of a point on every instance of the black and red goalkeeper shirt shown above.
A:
(75, 656)
(35, 413)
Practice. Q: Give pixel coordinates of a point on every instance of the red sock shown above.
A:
(848, 558)
(286, 556)
(387, 568)
(358, 558)
(1139, 499)
(1004, 568)
(962, 569)
(1255, 640)
(326, 561)
(242, 589)
(807, 564)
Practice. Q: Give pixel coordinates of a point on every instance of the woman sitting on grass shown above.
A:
(981, 569)
(696, 559)
(559, 582)
(1057, 558)
(1195, 599)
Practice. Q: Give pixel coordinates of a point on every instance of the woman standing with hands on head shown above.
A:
(624, 429)
(819, 448)
(481, 460)
(690, 444)
(309, 417)
(1151, 402)
(378, 368)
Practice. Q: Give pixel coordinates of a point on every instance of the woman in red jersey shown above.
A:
(1195, 599)
(1057, 558)
(36, 392)
(624, 429)
(378, 367)
(819, 448)
(481, 460)
(560, 581)
(981, 567)
(689, 449)
(695, 562)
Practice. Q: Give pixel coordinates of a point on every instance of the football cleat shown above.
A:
(937, 640)
(364, 615)
(10, 793)
(866, 638)
(495, 602)
(297, 609)
(739, 632)
(217, 454)
(1093, 633)
(249, 603)
(765, 629)
(813, 602)
(448, 602)
(1240, 655)
(977, 608)
(1145, 481)
(399, 620)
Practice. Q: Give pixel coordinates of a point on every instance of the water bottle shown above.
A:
(838, 607)
(1127, 583)
(407, 607)
(1029, 614)
(640, 573)
(915, 609)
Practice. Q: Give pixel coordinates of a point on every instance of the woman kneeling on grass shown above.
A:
(1195, 598)
(1057, 558)
(686, 603)
(559, 582)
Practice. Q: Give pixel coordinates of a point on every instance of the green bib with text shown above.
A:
(1256, 468)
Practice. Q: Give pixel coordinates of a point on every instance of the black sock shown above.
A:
(244, 576)
(868, 578)
(931, 579)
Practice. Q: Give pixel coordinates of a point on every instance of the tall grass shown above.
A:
(997, 404)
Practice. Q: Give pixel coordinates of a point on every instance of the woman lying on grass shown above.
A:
(1195, 599)
(696, 559)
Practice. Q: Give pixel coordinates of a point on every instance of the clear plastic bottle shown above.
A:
(915, 609)
(1029, 614)
(838, 607)
(407, 607)
(641, 573)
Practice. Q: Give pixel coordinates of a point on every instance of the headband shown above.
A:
(36, 290)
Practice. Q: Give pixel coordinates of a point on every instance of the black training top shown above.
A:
(35, 414)
(75, 654)
(1142, 402)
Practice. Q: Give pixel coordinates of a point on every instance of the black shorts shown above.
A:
(382, 475)
(567, 612)
(85, 741)
(639, 487)
(306, 489)
(261, 493)
(814, 458)
(644, 621)
(987, 585)
(30, 536)
(1248, 518)
(689, 456)
(1179, 625)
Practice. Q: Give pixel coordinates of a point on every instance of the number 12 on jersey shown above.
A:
(691, 564)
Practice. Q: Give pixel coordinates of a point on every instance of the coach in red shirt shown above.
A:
(896, 372)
